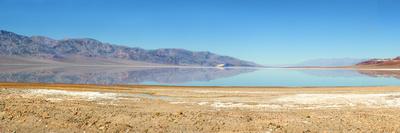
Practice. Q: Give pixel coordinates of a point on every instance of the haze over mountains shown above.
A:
(351, 62)
(332, 62)
(19, 49)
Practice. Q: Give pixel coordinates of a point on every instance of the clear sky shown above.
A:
(264, 31)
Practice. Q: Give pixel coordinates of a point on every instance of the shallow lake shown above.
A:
(199, 76)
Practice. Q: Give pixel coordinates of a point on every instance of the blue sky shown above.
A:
(264, 31)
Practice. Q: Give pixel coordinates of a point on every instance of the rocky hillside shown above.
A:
(12, 44)
(381, 63)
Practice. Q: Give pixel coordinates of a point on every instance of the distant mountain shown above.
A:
(335, 62)
(381, 63)
(40, 49)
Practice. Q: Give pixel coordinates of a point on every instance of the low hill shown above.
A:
(381, 63)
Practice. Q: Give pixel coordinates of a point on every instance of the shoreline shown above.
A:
(116, 87)
(215, 67)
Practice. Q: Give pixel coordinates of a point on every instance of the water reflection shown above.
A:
(381, 73)
(113, 75)
(332, 73)
(198, 76)
(352, 73)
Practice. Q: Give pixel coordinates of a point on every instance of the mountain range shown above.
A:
(20, 49)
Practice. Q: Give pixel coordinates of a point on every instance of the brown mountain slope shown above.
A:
(380, 63)
(72, 60)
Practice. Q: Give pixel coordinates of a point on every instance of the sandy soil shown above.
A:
(91, 108)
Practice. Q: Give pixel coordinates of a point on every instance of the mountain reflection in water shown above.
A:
(113, 75)
(199, 76)
(353, 73)
(381, 73)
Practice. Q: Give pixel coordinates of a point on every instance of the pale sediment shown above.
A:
(64, 108)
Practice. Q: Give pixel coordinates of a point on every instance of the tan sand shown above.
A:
(91, 108)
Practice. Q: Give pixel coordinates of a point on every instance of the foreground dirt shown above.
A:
(89, 108)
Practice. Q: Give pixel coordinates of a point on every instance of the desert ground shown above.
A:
(31, 107)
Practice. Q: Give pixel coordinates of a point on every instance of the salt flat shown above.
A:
(131, 108)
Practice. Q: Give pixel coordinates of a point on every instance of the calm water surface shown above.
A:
(199, 76)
